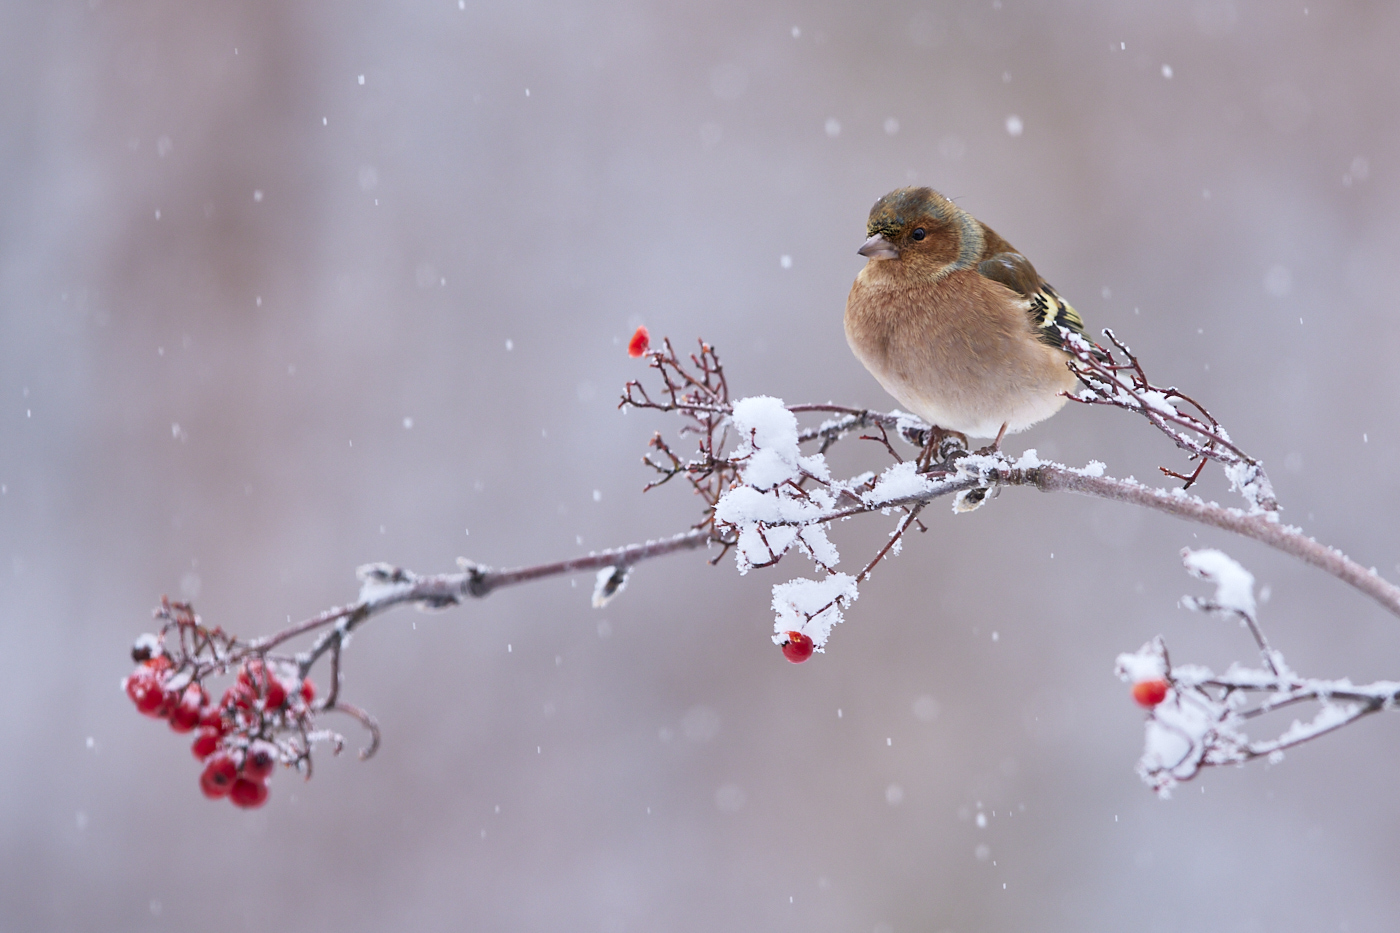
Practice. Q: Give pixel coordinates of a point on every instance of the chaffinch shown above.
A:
(953, 322)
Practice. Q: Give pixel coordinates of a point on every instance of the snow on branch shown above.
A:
(766, 490)
(1176, 414)
(1197, 718)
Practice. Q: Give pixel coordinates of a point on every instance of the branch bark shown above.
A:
(1262, 527)
(387, 586)
(790, 504)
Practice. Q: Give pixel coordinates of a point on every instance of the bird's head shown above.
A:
(921, 227)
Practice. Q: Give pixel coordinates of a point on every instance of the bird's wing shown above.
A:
(1048, 311)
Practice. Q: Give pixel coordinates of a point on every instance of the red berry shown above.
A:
(639, 344)
(206, 742)
(219, 775)
(212, 718)
(182, 719)
(168, 703)
(253, 673)
(259, 760)
(797, 648)
(248, 794)
(147, 690)
(239, 696)
(259, 678)
(184, 715)
(275, 696)
(308, 691)
(1149, 693)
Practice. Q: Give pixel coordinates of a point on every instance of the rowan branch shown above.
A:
(765, 490)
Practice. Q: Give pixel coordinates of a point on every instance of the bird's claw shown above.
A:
(994, 447)
(941, 448)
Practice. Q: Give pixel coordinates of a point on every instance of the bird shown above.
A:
(955, 323)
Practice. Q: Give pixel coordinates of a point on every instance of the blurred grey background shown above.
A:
(290, 287)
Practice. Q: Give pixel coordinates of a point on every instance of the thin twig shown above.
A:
(366, 720)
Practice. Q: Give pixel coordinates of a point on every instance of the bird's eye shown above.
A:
(918, 233)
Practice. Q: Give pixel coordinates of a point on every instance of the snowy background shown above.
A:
(290, 287)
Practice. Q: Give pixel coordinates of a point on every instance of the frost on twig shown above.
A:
(1201, 720)
(770, 507)
(811, 607)
(781, 499)
(699, 394)
(763, 496)
(1179, 416)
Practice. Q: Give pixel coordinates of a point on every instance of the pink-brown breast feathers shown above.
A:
(959, 352)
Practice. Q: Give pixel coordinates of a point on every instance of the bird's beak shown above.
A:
(877, 247)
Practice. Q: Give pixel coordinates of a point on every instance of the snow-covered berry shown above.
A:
(206, 742)
(259, 760)
(146, 687)
(238, 696)
(219, 776)
(797, 648)
(1149, 693)
(188, 709)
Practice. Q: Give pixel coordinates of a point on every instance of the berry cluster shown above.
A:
(263, 718)
(229, 736)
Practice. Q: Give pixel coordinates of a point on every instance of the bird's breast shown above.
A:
(959, 351)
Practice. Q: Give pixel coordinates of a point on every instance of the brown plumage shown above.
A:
(953, 322)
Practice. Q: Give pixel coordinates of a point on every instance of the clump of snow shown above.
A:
(1329, 717)
(1148, 663)
(1250, 481)
(901, 481)
(811, 607)
(984, 469)
(1028, 460)
(814, 543)
(768, 524)
(609, 582)
(1186, 731)
(1152, 399)
(768, 443)
(768, 510)
(1241, 675)
(380, 581)
(1192, 675)
(1234, 586)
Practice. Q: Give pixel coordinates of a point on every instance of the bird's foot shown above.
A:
(995, 446)
(941, 448)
